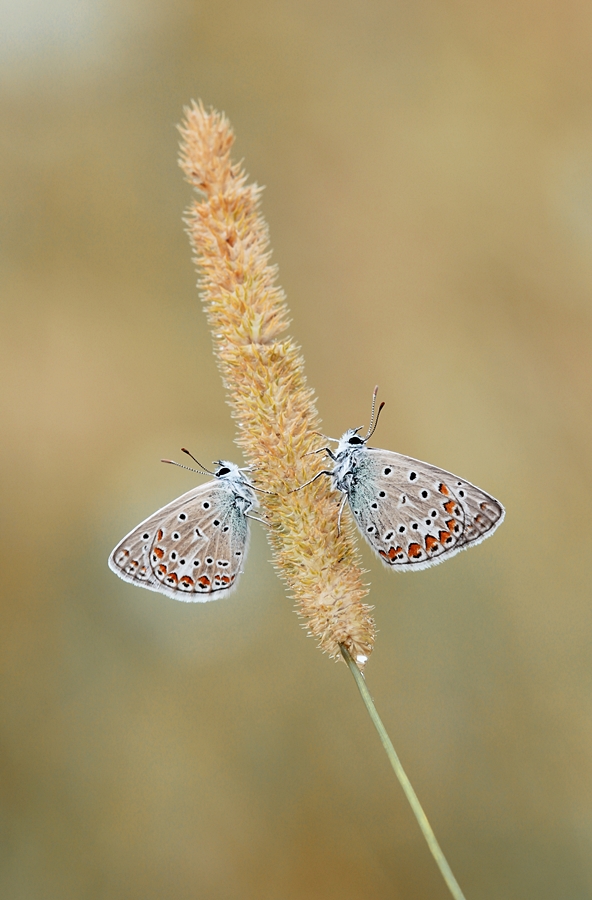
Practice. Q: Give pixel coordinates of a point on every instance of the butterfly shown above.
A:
(193, 548)
(413, 515)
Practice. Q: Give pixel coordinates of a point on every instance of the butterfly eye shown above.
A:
(223, 471)
(355, 440)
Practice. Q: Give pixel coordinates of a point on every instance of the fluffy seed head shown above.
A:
(263, 373)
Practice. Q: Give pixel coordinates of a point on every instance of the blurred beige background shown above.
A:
(428, 172)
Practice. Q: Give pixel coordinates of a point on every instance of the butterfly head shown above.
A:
(351, 440)
(235, 480)
(225, 469)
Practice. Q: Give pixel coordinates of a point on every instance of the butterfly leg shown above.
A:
(261, 491)
(341, 505)
(306, 483)
(326, 450)
(263, 522)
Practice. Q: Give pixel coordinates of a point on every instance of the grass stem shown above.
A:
(395, 762)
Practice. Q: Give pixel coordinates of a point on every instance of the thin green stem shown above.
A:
(395, 762)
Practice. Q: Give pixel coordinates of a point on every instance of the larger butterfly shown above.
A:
(412, 514)
(192, 549)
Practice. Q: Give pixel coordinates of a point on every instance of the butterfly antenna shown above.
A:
(374, 421)
(172, 462)
(206, 470)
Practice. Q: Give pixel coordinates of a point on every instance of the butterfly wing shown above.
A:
(415, 515)
(191, 549)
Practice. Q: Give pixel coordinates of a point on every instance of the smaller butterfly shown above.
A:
(412, 514)
(193, 548)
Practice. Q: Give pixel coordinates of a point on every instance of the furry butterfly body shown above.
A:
(192, 549)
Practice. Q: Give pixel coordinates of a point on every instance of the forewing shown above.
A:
(415, 515)
(192, 549)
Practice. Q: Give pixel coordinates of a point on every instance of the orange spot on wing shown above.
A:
(159, 552)
(172, 577)
(483, 506)
(204, 581)
(162, 570)
(225, 579)
(445, 537)
(449, 507)
(444, 490)
(450, 524)
(187, 580)
(414, 551)
(392, 553)
(159, 534)
(431, 543)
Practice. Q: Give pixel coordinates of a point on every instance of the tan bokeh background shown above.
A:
(429, 193)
